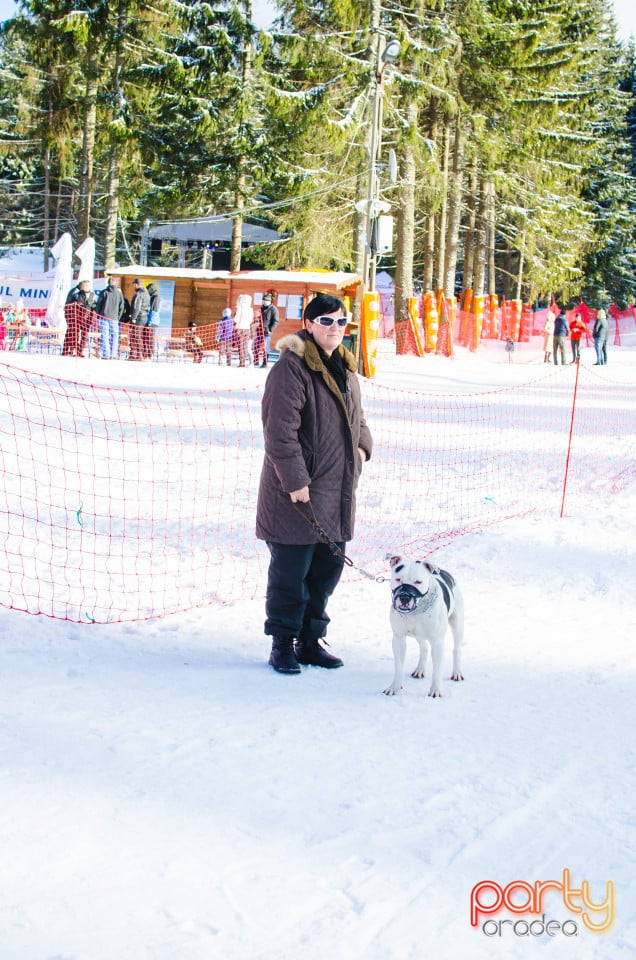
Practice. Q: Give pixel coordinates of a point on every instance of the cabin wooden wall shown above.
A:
(204, 300)
(210, 299)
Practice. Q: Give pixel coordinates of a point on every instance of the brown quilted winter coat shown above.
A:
(312, 435)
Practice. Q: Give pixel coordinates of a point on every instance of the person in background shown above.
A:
(316, 441)
(79, 312)
(139, 310)
(258, 341)
(548, 337)
(225, 337)
(110, 310)
(577, 329)
(243, 316)
(149, 331)
(600, 338)
(270, 319)
(560, 333)
(194, 343)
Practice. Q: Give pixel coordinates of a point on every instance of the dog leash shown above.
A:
(335, 549)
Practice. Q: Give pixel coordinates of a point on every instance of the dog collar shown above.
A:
(408, 600)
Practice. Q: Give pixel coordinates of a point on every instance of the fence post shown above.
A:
(567, 459)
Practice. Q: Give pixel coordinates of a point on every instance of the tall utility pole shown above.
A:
(236, 244)
(386, 52)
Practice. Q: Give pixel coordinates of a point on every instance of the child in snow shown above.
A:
(194, 343)
(225, 337)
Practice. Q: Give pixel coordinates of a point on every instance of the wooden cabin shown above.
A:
(200, 295)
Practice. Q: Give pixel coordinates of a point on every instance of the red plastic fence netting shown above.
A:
(85, 329)
(126, 505)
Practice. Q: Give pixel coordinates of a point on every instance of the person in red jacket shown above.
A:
(577, 329)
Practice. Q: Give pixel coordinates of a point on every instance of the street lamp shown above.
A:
(387, 52)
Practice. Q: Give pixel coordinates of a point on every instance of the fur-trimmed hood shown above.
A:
(303, 346)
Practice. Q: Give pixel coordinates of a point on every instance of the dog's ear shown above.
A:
(393, 561)
(431, 567)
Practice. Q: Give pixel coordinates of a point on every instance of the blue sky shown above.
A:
(626, 17)
(625, 14)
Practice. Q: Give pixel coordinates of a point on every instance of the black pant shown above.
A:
(300, 580)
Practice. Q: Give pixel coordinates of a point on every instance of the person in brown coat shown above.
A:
(316, 440)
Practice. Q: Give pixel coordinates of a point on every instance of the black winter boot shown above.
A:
(310, 653)
(282, 657)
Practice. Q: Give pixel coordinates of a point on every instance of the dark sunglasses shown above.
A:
(329, 321)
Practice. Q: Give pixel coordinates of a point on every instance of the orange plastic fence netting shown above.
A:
(124, 505)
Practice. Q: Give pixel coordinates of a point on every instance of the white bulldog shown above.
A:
(425, 601)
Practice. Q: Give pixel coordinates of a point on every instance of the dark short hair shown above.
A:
(323, 303)
(192, 323)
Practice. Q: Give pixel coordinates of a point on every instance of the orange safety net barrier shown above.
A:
(431, 318)
(480, 318)
(370, 331)
(410, 336)
(125, 505)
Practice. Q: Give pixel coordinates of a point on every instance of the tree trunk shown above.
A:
(115, 158)
(507, 272)
(112, 207)
(405, 232)
(237, 219)
(490, 217)
(88, 151)
(429, 231)
(521, 265)
(47, 188)
(480, 240)
(454, 209)
(442, 217)
(58, 209)
(359, 219)
(469, 240)
(236, 246)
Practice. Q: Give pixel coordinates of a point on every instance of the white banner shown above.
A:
(86, 253)
(62, 283)
(33, 293)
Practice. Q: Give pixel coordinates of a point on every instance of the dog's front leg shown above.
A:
(456, 621)
(437, 653)
(420, 670)
(457, 664)
(399, 653)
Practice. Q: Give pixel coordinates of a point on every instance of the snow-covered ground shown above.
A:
(164, 795)
(22, 261)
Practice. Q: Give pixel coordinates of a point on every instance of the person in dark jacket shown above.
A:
(110, 310)
(600, 338)
(79, 313)
(561, 331)
(149, 331)
(139, 310)
(269, 318)
(316, 440)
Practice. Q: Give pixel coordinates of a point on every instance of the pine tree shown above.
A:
(39, 80)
